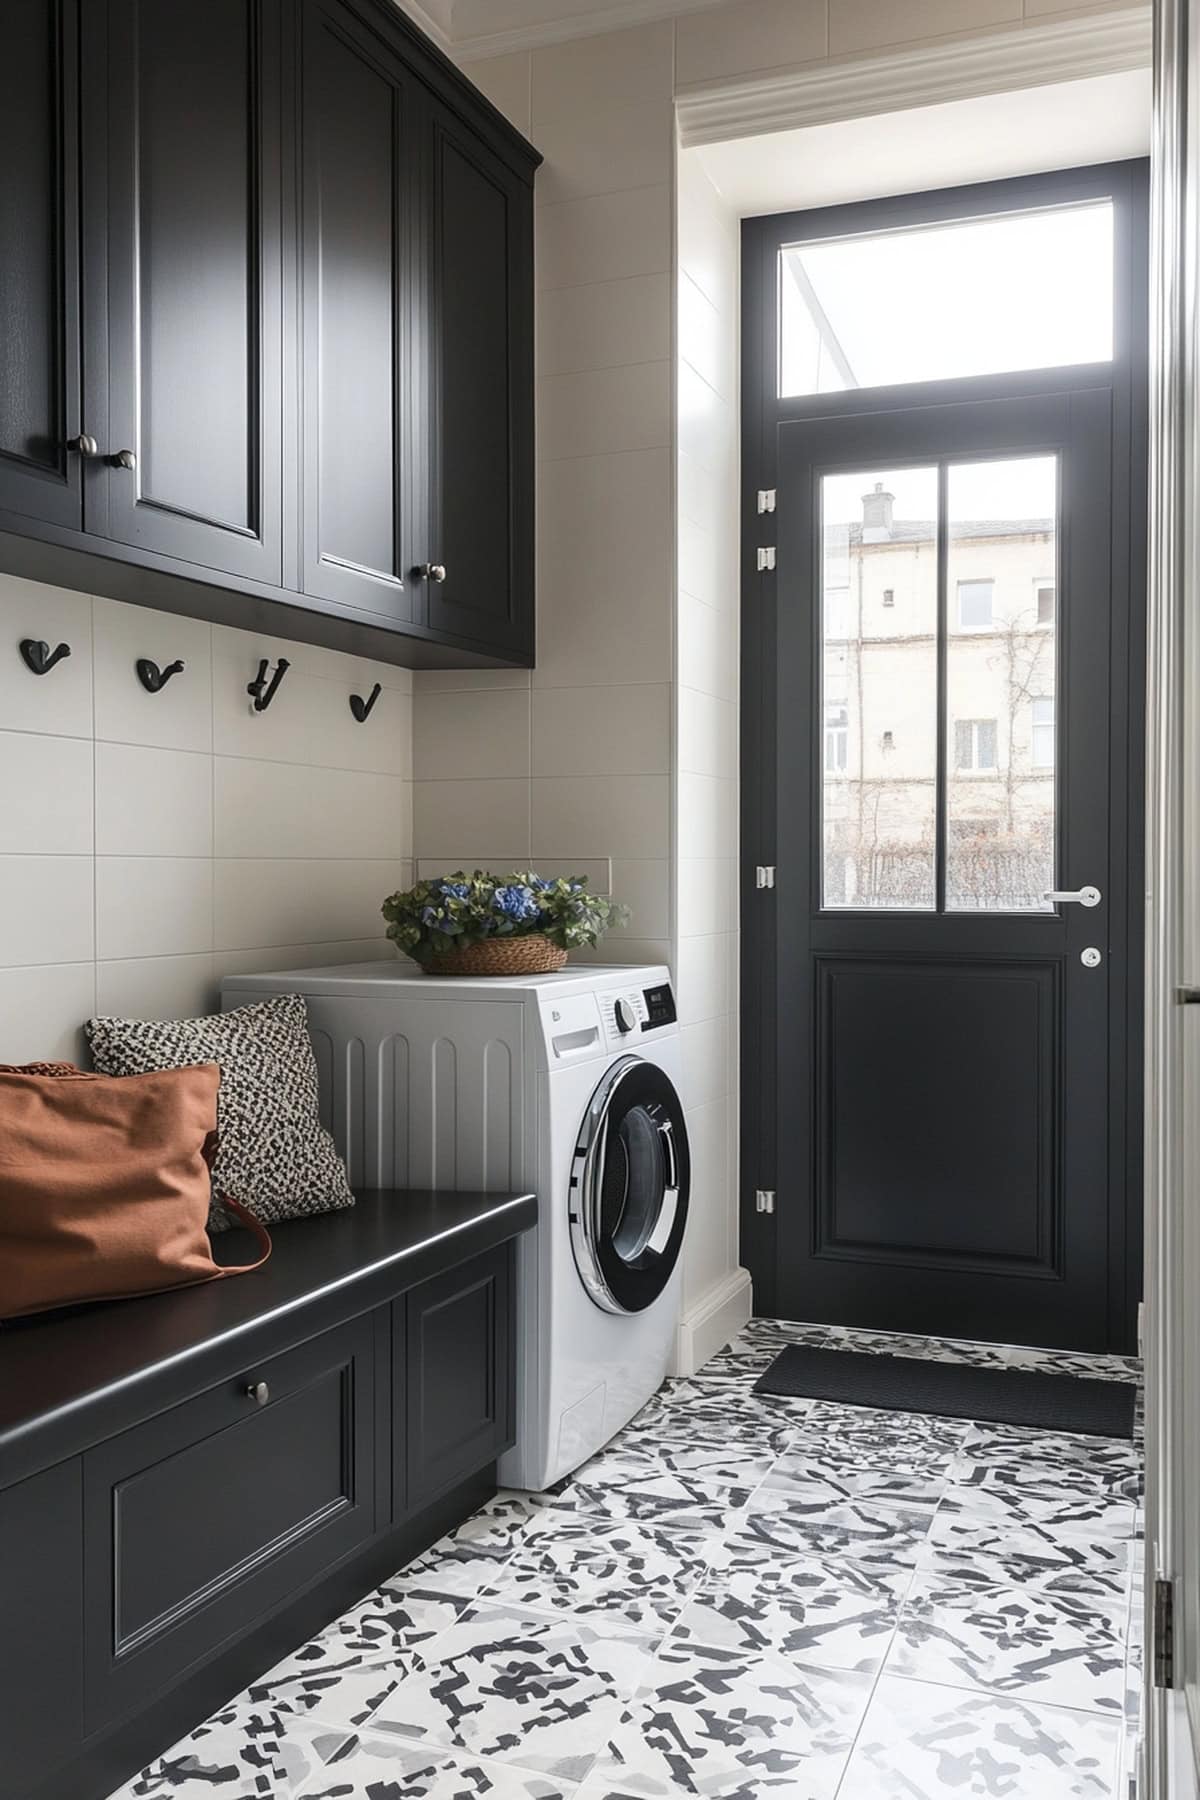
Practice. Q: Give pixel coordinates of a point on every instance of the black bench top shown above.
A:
(70, 1379)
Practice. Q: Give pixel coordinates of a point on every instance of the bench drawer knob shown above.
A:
(259, 1392)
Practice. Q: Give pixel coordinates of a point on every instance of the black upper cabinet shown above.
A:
(192, 245)
(474, 349)
(40, 476)
(357, 146)
(271, 275)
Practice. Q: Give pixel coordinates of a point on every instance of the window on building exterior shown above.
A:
(1043, 732)
(837, 737)
(889, 596)
(837, 612)
(1044, 594)
(975, 744)
(975, 604)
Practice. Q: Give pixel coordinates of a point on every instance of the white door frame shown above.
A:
(1172, 1715)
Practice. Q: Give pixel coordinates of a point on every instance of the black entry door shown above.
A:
(944, 746)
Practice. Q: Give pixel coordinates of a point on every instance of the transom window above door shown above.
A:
(939, 667)
(941, 301)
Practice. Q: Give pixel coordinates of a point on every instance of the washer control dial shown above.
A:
(624, 1017)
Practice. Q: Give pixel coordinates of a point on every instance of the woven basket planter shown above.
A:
(532, 955)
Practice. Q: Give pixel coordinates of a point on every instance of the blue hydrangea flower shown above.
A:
(516, 903)
(455, 890)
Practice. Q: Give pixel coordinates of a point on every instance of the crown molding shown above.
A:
(482, 45)
(429, 22)
(1036, 55)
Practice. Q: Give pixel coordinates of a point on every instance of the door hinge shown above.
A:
(764, 1200)
(1164, 1634)
(766, 558)
(764, 875)
(766, 500)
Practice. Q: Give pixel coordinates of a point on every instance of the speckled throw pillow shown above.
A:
(274, 1155)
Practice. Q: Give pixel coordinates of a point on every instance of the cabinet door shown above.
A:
(204, 1520)
(39, 267)
(475, 343)
(41, 1606)
(193, 253)
(356, 131)
(455, 1336)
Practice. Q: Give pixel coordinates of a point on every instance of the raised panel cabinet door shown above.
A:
(192, 462)
(40, 473)
(355, 127)
(41, 1606)
(455, 1333)
(209, 1517)
(475, 336)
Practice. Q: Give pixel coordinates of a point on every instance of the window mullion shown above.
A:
(943, 613)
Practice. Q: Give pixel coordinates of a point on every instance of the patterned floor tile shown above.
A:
(714, 1721)
(370, 1767)
(631, 1573)
(703, 1460)
(674, 1501)
(962, 1350)
(781, 1525)
(1032, 1454)
(520, 1687)
(923, 1742)
(243, 1751)
(805, 1478)
(1062, 1649)
(835, 1615)
(972, 1552)
(877, 1343)
(717, 1403)
(1076, 1362)
(1069, 1502)
(882, 1440)
(386, 1627)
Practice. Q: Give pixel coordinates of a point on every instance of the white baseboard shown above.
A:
(708, 1325)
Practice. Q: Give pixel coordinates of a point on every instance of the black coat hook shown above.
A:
(39, 657)
(262, 690)
(362, 708)
(152, 677)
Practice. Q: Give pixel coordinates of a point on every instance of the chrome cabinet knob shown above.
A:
(83, 445)
(435, 572)
(123, 459)
(259, 1392)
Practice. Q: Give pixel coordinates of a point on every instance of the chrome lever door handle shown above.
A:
(1187, 996)
(1084, 896)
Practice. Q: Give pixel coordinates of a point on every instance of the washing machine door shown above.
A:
(630, 1180)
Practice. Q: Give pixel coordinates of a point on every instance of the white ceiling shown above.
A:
(1102, 118)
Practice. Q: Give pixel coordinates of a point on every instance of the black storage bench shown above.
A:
(192, 1484)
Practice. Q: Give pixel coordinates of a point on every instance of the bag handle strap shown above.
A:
(252, 1224)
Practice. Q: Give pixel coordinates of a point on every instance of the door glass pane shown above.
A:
(979, 296)
(1000, 680)
(879, 611)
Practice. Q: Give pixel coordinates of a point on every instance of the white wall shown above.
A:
(151, 842)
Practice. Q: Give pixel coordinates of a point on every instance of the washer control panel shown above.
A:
(630, 1012)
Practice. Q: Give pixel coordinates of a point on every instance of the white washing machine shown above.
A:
(567, 1084)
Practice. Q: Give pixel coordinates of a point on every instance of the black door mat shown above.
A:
(953, 1390)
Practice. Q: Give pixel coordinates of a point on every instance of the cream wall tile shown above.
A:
(709, 241)
(157, 987)
(707, 569)
(602, 112)
(460, 736)
(708, 1069)
(259, 903)
(507, 83)
(1037, 9)
(714, 1198)
(622, 816)
(604, 325)
(153, 906)
(708, 647)
(707, 426)
(601, 410)
(626, 952)
(42, 1012)
(703, 491)
(707, 742)
(604, 237)
(310, 720)
(305, 659)
(702, 978)
(46, 909)
(605, 553)
(707, 339)
(277, 957)
(602, 730)
(645, 888)
(177, 718)
(707, 815)
(428, 868)
(751, 34)
(45, 794)
(60, 702)
(472, 821)
(467, 681)
(152, 802)
(707, 895)
(279, 809)
(866, 24)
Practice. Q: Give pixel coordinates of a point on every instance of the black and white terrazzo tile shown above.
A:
(742, 1596)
